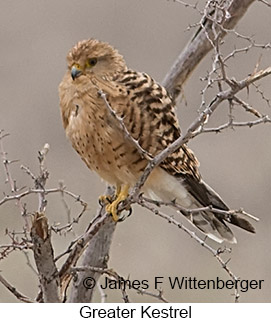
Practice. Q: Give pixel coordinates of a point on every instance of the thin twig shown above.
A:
(199, 209)
(192, 234)
(197, 126)
(28, 262)
(235, 124)
(265, 2)
(14, 291)
(120, 121)
(115, 276)
(247, 107)
(9, 179)
(200, 45)
(48, 191)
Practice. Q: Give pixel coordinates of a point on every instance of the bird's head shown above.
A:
(94, 58)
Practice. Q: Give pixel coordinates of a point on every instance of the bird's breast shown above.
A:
(96, 135)
(101, 144)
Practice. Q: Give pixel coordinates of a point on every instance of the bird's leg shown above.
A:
(107, 199)
(121, 195)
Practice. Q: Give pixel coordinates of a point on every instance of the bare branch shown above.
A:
(199, 209)
(258, 90)
(14, 291)
(92, 247)
(234, 124)
(44, 258)
(97, 252)
(185, 4)
(68, 226)
(265, 2)
(121, 124)
(111, 273)
(199, 46)
(45, 191)
(159, 295)
(192, 234)
(28, 262)
(197, 126)
(247, 107)
(9, 178)
(42, 178)
(76, 249)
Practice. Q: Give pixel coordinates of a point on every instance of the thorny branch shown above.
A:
(178, 207)
(197, 125)
(202, 42)
(219, 29)
(120, 122)
(38, 239)
(196, 128)
(216, 252)
(14, 291)
(216, 21)
(9, 179)
(112, 274)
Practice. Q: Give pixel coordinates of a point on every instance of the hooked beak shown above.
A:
(76, 71)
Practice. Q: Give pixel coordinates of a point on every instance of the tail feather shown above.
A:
(209, 224)
(241, 223)
(206, 196)
(192, 193)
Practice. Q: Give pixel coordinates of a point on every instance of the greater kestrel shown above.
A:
(149, 115)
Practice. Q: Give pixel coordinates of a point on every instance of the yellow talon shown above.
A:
(105, 199)
(121, 195)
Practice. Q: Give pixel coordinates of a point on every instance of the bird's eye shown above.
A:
(92, 62)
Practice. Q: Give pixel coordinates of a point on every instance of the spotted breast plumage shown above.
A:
(149, 115)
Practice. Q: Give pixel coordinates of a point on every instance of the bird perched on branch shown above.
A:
(148, 113)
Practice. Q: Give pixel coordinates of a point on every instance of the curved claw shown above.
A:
(105, 200)
(130, 210)
(112, 208)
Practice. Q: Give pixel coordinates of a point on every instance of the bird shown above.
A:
(148, 113)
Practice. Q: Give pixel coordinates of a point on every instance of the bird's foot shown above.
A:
(105, 199)
(112, 208)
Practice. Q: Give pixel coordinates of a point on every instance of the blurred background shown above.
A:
(35, 38)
